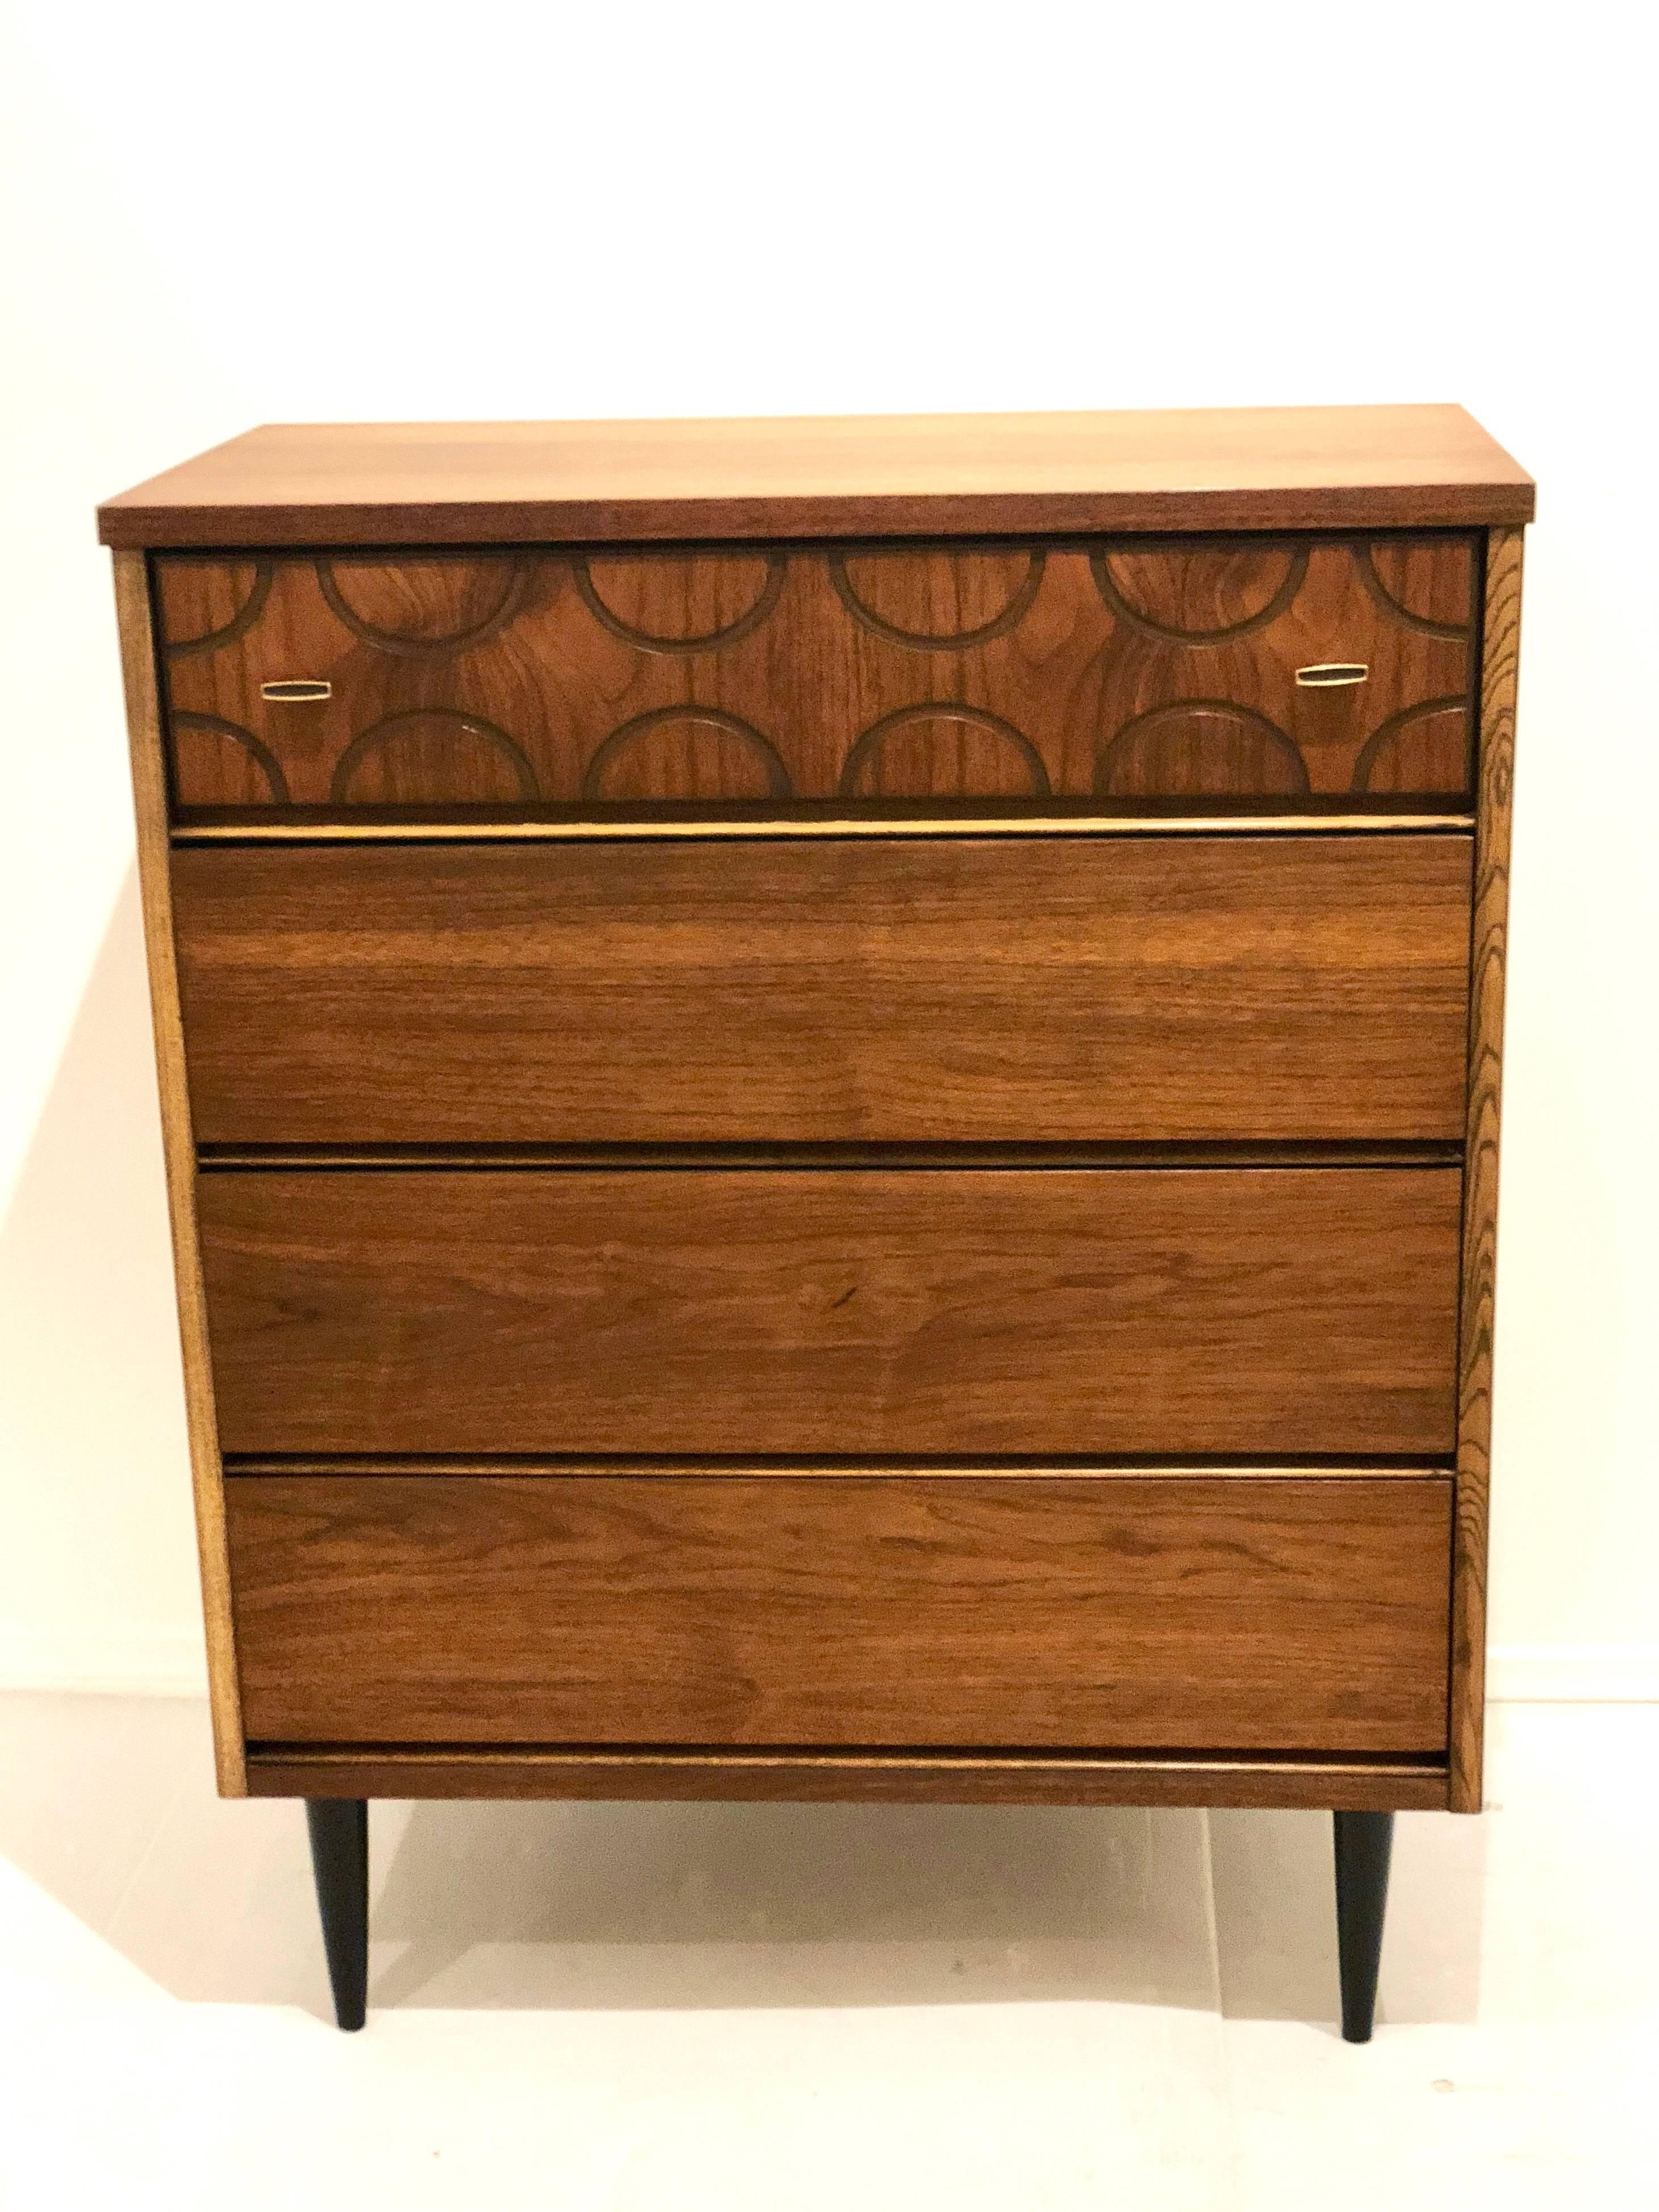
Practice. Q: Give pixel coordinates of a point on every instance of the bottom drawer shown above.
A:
(1102, 1611)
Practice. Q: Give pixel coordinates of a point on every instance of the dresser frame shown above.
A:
(341, 1777)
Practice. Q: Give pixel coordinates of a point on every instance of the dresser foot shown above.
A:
(1363, 1842)
(339, 1859)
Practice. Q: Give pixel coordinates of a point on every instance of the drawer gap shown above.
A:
(757, 1467)
(756, 1754)
(780, 1157)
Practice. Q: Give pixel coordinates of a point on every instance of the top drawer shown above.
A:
(1290, 673)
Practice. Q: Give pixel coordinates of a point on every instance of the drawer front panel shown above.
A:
(1291, 1311)
(926, 989)
(1108, 1612)
(1118, 671)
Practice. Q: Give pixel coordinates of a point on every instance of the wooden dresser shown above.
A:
(831, 1105)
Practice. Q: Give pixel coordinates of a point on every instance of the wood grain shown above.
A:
(1500, 682)
(1360, 1786)
(1261, 468)
(1235, 1311)
(960, 991)
(892, 1610)
(1128, 672)
(133, 620)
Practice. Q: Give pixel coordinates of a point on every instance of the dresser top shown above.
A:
(469, 483)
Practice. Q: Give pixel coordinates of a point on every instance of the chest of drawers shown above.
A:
(831, 1106)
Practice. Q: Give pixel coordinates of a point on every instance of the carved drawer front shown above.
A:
(1287, 672)
(919, 989)
(1236, 1612)
(1284, 1311)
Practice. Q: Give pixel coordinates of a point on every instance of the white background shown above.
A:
(216, 215)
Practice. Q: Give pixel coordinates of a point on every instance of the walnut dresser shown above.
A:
(831, 1105)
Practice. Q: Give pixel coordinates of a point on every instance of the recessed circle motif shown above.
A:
(381, 742)
(1189, 748)
(1011, 745)
(1421, 758)
(1109, 584)
(410, 645)
(708, 641)
(999, 624)
(257, 753)
(1396, 608)
(760, 754)
(242, 621)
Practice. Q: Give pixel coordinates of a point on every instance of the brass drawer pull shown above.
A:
(1328, 675)
(295, 688)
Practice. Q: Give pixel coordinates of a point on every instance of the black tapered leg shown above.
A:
(1364, 1844)
(339, 1859)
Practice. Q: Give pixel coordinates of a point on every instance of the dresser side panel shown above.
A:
(134, 621)
(1500, 670)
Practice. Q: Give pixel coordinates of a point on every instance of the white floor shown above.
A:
(653, 2008)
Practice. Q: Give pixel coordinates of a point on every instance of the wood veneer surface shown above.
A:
(1489, 967)
(1124, 671)
(845, 1777)
(134, 617)
(943, 991)
(1274, 468)
(895, 1609)
(856, 1311)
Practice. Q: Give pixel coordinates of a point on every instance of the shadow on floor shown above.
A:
(97, 1509)
(689, 1906)
(108, 1804)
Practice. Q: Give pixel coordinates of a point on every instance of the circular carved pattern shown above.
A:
(1107, 584)
(514, 584)
(867, 749)
(385, 733)
(1397, 609)
(617, 746)
(1386, 734)
(262, 757)
(1194, 727)
(943, 641)
(648, 641)
(244, 619)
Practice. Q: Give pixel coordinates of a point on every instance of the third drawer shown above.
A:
(1286, 1310)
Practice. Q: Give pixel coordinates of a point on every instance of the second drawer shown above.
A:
(1293, 1311)
(920, 990)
